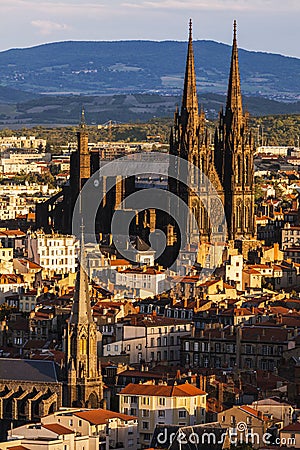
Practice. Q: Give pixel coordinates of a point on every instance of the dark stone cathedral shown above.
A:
(228, 165)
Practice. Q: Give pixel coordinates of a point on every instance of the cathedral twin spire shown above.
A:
(189, 105)
(230, 166)
(234, 96)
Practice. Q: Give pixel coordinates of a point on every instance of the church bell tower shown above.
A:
(84, 381)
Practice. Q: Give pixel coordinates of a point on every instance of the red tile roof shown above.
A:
(181, 390)
(57, 428)
(294, 427)
(253, 412)
(17, 447)
(101, 416)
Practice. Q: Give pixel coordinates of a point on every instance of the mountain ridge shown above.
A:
(137, 66)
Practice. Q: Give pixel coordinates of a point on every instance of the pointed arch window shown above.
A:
(239, 169)
(203, 168)
(83, 346)
(247, 170)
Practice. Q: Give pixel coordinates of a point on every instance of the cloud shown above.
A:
(217, 5)
(47, 27)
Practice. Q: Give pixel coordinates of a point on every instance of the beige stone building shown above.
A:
(182, 404)
(290, 435)
(246, 424)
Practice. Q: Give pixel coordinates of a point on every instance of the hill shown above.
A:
(126, 67)
(50, 109)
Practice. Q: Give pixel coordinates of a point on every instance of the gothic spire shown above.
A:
(81, 309)
(189, 98)
(234, 96)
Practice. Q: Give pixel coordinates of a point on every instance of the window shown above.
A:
(133, 399)
(162, 413)
(79, 423)
(182, 414)
(145, 425)
(146, 401)
(162, 401)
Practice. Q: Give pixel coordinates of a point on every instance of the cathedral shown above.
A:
(227, 164)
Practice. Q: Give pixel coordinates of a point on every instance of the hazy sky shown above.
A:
(267, 25)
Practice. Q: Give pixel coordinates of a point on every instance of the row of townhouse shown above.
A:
(243, 347)
(148, 339)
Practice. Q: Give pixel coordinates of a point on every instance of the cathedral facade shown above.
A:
(227, 165)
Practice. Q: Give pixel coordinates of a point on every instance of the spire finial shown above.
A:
(190, 29)
(234, 29)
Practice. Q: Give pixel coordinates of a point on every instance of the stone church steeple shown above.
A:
(189, 106)
(234, 95)
(234, 157)
(189, 140)
(84, 377)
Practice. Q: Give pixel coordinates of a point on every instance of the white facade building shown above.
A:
(56, 253)
(145, 278)
(290, 236)
(234, 270)
(153, 339)
(21, 142)
(181, 404)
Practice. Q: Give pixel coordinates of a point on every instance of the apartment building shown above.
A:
(290, 236)
(245, 347)
(182, 404)
(245, 423)
(149, 339)
(233, 271)
(30, 142)
(145, 278)
(48, 437)
(56, 253)
(114, 430)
